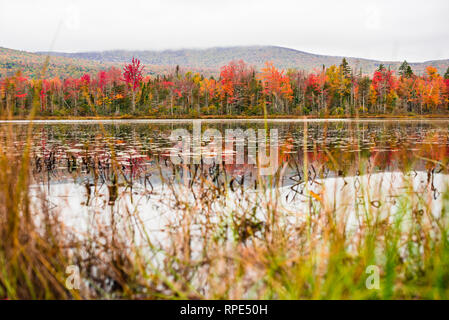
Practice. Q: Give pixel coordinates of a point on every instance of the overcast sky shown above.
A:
(415, 30)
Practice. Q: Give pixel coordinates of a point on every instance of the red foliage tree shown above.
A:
(71, 89)
(43, 93)
(102, 78)
(385, 85)
(235, 78)
(133, 76)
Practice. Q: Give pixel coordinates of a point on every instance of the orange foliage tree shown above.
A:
(276, 85)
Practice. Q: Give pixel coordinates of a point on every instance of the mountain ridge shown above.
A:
(207, 61)
(215, 57)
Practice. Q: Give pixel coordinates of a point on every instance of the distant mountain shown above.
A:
(205, 61)
(31, 64)
(214, 58)
(63, 65)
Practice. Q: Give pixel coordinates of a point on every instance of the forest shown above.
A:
(239, 90)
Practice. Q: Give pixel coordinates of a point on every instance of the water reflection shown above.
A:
(123, 155)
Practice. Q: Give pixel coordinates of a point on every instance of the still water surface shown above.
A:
(135, 155)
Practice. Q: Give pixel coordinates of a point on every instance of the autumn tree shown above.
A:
(43, 87)
(276, 85)
(434, 87)
(364, 86)
(56, 92)
(19, 87)
(298, 84)
(235, 78)
(407, 92)
(384, 84)
(316, 89)
(339, 87)
(133, 76)
(334, 79)
(208, 87)
(71, 88)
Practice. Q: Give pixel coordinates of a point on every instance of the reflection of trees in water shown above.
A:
(123, 155)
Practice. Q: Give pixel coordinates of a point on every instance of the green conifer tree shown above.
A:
(405, 70)
(345, 67)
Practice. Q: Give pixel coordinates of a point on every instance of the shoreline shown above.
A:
(224, 118)
(90, 119)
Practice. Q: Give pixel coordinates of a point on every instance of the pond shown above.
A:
(333, 147)
(83, 162)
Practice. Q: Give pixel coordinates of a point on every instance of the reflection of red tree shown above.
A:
(236, 170)
(285, 150)
(381, 158)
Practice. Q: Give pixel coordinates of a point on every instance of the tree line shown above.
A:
(239, 90)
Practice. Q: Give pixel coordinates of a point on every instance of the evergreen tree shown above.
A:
(405, 70)
(345, 67)
(446, 75)
(381, 67)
